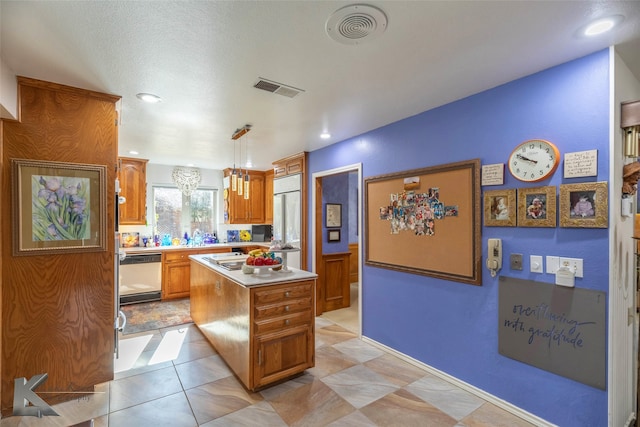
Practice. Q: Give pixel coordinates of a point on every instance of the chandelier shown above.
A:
(186, 179)
(240, 183)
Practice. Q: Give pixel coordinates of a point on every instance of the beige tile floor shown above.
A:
(173, 377)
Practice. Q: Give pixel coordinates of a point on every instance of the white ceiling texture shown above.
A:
(203, 59)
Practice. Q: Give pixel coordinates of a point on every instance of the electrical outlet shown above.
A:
(574, 264)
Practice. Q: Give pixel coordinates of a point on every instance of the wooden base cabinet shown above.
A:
(266, 334)
(176, 271)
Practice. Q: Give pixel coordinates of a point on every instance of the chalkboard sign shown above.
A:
(555, 328)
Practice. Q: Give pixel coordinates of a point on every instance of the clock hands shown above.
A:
(526, 159)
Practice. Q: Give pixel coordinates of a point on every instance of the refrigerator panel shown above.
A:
(292, 217)
(278, 217)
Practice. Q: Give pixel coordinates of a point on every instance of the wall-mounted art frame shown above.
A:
(333, 235)
(584, 205)
(537, 207)
(449, 247)
(333, 215)
(58, 207)
(500, 208)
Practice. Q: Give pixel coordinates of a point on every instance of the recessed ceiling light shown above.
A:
(133, 152)
(149, 97)
(602, 25)
(325, 135)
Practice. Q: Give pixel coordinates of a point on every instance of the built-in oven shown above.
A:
(140, 278)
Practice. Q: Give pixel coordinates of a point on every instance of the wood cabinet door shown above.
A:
(176, 280)
(282, 354)
(133, 185)
(336, 289)
(256, 200)
(268, 197)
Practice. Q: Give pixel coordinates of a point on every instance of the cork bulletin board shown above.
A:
(426, 221)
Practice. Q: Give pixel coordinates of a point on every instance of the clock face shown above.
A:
(534, 160)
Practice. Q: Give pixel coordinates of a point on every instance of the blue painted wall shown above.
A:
(453, 326)
(335, 189)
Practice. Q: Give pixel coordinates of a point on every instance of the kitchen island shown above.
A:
(261, 324)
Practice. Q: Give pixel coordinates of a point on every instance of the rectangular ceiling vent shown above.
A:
(279, 88)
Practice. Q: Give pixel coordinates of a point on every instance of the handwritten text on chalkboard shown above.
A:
(563, 330)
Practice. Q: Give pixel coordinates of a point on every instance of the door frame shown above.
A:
(316, 224)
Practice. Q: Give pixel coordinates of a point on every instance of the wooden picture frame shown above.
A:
(333, 215)
(500, 208)
(58, 207)
(584, 205)
(333, 235)
(537, 207)
(445, 246)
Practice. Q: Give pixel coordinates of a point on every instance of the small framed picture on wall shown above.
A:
(333, 215)
(333, 235)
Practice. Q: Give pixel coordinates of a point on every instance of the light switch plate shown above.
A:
(553, 263)
(535, 262)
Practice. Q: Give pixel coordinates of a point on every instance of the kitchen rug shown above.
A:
(147, 316)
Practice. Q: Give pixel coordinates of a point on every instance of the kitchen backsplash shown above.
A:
(132, 235)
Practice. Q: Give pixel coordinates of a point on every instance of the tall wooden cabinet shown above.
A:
(58, 309)
(133, 186)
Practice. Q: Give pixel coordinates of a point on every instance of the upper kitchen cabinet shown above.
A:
(133, 187)
(290, 165)
(239, 210)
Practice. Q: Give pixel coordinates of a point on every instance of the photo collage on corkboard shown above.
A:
(414, 211)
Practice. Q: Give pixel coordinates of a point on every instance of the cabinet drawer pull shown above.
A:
(286, 322)
(286, 308)
(287, 294)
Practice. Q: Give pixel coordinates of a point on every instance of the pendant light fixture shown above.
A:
(246, 175)
(240, 180)
(234, 172)
(240, 183)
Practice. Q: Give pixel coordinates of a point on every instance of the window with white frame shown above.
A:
(174, 213)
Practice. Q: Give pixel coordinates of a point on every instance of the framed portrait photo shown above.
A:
(584, 205)
(58, 207)
(500, 208)
(537, 207)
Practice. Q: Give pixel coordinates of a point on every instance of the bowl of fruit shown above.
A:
(262, 260)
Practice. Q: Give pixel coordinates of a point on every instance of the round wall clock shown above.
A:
(534, 160)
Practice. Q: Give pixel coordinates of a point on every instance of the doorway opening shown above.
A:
(337, 249)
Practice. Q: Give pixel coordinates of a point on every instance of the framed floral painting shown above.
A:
(58, 207)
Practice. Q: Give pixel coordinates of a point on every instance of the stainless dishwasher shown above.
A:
(140, 278)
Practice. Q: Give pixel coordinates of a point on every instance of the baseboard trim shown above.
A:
(518, 412)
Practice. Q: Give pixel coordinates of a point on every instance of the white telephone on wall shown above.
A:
(494, 255)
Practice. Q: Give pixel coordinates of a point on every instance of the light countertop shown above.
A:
(265, 277)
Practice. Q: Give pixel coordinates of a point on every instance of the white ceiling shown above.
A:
(203, 58)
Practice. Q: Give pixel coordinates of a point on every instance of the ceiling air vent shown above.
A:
(356, 24)
(278, 88)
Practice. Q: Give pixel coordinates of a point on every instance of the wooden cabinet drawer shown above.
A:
(266, 311)
(283, 294)
(283, 322)
(171, 256)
